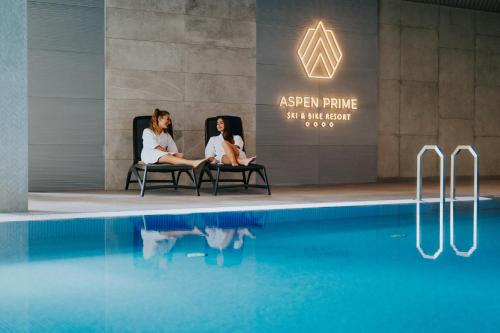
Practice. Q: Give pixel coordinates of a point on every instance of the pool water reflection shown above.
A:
(323, 270)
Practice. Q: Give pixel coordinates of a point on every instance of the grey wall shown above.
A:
(294, 153)
(13, 107)
(66, 94)
(439, 83)
(195, 58)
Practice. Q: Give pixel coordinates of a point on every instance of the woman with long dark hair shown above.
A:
(158, 146)
(226, 148)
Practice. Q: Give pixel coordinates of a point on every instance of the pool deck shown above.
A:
(116, 203)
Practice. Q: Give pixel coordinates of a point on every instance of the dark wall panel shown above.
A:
(294, 153)
(66, 94)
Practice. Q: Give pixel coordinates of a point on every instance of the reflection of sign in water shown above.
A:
(319, 52)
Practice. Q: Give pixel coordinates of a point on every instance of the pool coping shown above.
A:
(26, 217)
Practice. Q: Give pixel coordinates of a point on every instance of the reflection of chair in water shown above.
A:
(155, 236)
(158, 239)
(162, 242)
(225, 246)
(231, 220)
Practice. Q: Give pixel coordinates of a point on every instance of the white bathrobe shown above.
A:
(215, 149)
(150, 140)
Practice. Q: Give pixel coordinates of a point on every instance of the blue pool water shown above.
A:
(344, 269)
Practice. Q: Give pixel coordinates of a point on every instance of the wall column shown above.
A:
(13, 107)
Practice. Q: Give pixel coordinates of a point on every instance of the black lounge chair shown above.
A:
(236, 129)
(138, 167)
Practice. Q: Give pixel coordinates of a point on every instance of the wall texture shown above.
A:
(13, 107)
(193, 58)
(293, 152)
(66, 94)
(439, 83)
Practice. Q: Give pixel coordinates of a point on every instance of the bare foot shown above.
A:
(247, 161)
(245, 232)
(197, 163)
(198, 232)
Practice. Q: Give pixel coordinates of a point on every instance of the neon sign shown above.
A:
(320, 55)
(319, 52)
(324, 111)
(315, 102)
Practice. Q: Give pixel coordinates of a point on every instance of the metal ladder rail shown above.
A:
(438, 151)
(473, 151)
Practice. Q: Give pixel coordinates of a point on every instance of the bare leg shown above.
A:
(246, 161)
(169, 159)
(241, 161)
(245, 232)
(180, 233)
(229, 155)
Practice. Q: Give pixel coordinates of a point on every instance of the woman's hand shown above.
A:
(179, 155)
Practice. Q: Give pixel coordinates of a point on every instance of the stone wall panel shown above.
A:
(419, 54)
(419, 108)
(195, 59)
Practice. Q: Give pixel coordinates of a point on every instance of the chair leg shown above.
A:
(144, 180)
(129, 174)
(265, 179)
(137, 176)
(200, 179)
(216, 185)
(192, 174)
(174, 179)
(267, 182)
(249, 175)
(245, 180)
(210, 176)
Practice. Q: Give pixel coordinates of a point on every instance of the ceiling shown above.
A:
(486, 5)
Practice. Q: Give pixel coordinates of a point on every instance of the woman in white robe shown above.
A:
(159, 147)
(226, 148)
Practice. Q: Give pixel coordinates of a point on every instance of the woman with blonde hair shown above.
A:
(158, 146)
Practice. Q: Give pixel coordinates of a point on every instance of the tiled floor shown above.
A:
(97, 202)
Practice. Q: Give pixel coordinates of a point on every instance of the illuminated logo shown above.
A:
(319, 52)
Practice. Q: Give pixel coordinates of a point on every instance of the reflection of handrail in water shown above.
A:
(438, 151)
(475, 155)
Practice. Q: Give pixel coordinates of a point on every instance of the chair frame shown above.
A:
(137, 167)
(219, 169)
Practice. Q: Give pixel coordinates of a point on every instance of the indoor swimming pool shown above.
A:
(337, 269)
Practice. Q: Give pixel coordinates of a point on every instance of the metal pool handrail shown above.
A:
(475, 154)
(438, 151)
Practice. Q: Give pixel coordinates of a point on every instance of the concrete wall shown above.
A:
(439, 83)
(66, 94)
(293, 152)
(438, 77)
(193, 58)
(13, 107)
